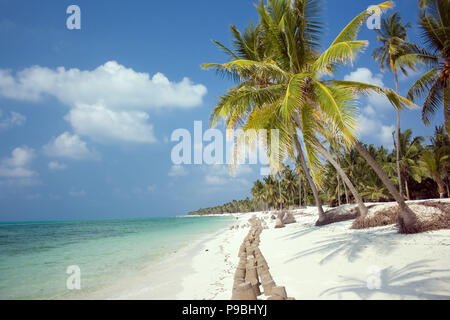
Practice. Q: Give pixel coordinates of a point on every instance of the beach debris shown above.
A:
(286, 217)
(279, 224)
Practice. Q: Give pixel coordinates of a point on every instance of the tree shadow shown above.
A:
(406, 282)
(350, 245)
(297, 234)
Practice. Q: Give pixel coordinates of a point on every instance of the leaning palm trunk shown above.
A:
(399, 174)
(310, 180)
(362, 208)
(407, 218)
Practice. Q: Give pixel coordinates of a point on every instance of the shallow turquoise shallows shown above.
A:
(34, 257)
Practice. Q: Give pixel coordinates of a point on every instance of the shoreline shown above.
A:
(330, 262)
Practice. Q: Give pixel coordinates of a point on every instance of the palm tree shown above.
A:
(434, 84)
(434, 163)
(393, 36)
(258, 193)
(440, 145)
(285, 90)
(336, 141)
(411, 153)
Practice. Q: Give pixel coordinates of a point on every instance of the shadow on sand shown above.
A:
(349, 244)
(406, 283)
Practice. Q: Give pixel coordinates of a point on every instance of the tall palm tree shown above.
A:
(286, 91)
(410, 155)
(434, 84)
(393, 36)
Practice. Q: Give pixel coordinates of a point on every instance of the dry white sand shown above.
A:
(328, 262)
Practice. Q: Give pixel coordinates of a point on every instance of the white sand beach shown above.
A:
(328, 262)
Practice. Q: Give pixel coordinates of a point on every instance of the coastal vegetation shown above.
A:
(286, 81)
(425, 170)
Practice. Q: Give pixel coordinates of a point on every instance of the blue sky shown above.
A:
(92, 139)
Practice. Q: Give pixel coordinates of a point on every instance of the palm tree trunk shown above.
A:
(299, 190)
(407, 219)
(362, 207)
(279, 189)
(345, 187)
(448, 191)
(339, 190)
(407, 189)
(446, 99)
(346, 194)
(399, 175)
(310, 180)
(440, 184)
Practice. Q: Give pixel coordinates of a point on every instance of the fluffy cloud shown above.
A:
(177, 171)
(17, 166)
(372, 128)
(104, 125)
(69, 146)
(107, 103)
(13, 119)
(365, 75)
(55, 165)
(113, 84)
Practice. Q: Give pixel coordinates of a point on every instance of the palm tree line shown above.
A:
(424, 167)
(279, 68)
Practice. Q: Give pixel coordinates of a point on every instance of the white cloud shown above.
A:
(69, 146)
(104, 125)
(366, 76)
(14, 119)
(372, 128)
(111, 83)
(55, 165)
(17, 166)
(107, 103)
(177, 171)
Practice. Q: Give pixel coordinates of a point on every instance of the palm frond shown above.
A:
(350, 32)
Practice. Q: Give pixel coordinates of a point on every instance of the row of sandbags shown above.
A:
(252, 271)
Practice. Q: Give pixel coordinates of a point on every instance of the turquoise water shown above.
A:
(34, 256)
